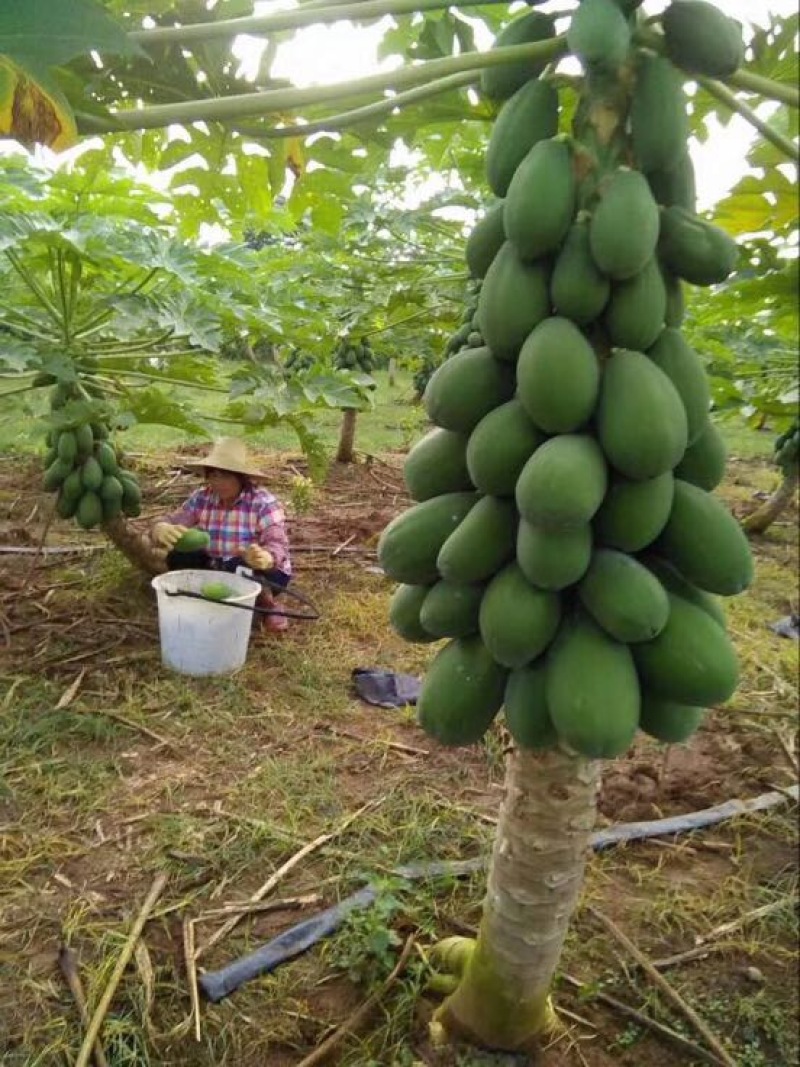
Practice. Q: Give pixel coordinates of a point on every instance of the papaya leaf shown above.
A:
(153, 405)
(51, 32)
(16, 355)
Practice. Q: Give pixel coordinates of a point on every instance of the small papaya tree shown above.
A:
(116, 322)
(786, 454)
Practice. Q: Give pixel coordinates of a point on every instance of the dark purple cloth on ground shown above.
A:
(385, 689)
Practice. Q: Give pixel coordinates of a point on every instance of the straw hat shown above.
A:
(228, 454)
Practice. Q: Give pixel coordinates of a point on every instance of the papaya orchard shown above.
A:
(555, 542)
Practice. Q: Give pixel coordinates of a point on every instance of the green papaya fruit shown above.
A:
(89, 512)
(517, 620)
(558, 376)
(72, 487)
(461, 693)
(84, 439)
(485, 240)
(217, 591)
(409, 545)
(691, 661)
(591, 690)
(481, 544)
(541, 199)
(624, 228)
(675, 186)
(404, 613)
(465, 388)
(502, 80)
(106, 457)
(641, 420)
(578, 289)
(667, 721)
(599, 34)
(525, 708)
(700, 39)
(451, 609)
(55, 475)
(634, 513)
(563, 483)
(681, 364)
(673, 582)
(635, 313)
(67, 447)
(66, 506)
(659, 123)
(705, 542)
(624, 597)
(499, 447)
(193, 540)
(553, 559)
(91, 474)
(693, 249)
(529, 116)
(437, 464)
(514, 297)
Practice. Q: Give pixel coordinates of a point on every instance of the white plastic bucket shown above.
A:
(201, 637)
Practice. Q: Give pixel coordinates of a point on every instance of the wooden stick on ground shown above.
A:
(663, 985)
(68, 962)
(336, 731)
(273, 880)
(704, 943)
(191, 974)
(695, 1051)
(354, 1021)
(131, 724)
(96, 1022)
(259, 908)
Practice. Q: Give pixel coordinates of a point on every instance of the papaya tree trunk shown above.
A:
(135, 545)
(760, 520)
(540, 851)
(392, 373)
(347, 437)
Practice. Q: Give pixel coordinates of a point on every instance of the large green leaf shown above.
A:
(51, 32)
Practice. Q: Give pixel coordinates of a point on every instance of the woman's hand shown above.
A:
(260, 559)
(167, 535)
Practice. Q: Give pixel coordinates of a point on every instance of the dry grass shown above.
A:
(218, 782)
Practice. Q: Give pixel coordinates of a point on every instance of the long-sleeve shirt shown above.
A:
(255, 517)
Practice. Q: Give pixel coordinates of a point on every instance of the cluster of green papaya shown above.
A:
(565, 539)
(82, 467)
(354, 355)
(298, 361)
(787, 448)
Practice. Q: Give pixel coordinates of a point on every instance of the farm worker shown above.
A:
(246, 524)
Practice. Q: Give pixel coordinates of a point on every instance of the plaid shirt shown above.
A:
(255, 517)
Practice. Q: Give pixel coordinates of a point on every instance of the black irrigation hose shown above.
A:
(299, 938)
(257, 610)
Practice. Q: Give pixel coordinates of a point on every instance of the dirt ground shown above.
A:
(113, 771)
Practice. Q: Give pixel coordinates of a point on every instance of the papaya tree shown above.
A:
(787, 460)
(108, 320)
(565, 540)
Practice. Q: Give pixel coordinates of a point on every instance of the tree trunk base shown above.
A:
(758, 521)
(502, 1001)
(135, 546)
(347, 438)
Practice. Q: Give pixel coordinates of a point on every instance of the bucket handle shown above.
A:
(314, 614)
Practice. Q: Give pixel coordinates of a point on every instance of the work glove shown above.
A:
(167, 535)
(260, 559)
